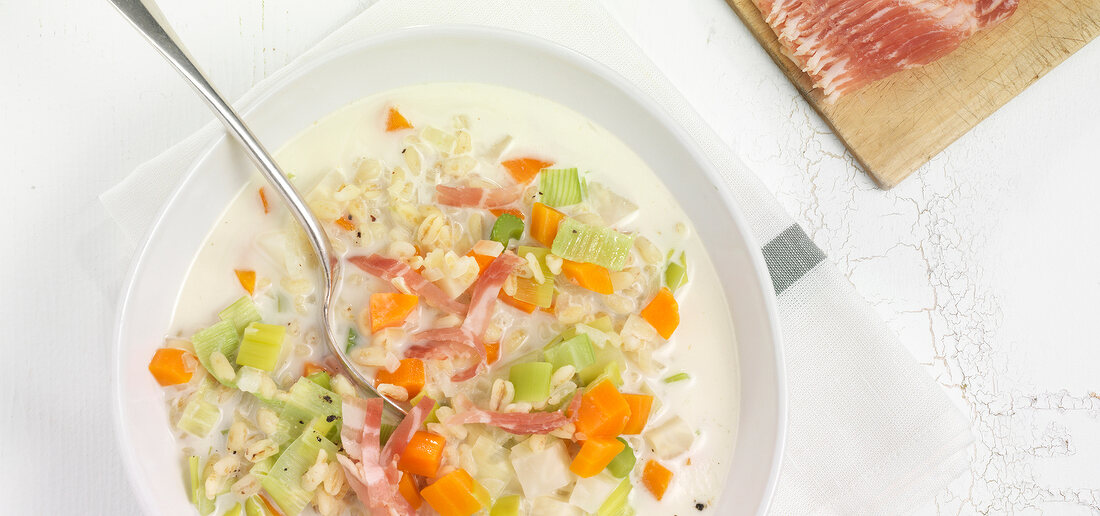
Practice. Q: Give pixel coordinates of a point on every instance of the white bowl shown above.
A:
(462, 54)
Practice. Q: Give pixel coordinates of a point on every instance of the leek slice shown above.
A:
(321, 378)
(623, 463)
(576, 351)
(605, 357)
(199, 416)
(305, 402)
(531, 291)
(218, 337)
(531, 381)
(507, 227)
(561, 187)
(353, 339)
(262, 468)
(198, 488)
(617, 504)
(284, 481)
(261, 345)
(506, 506)
(581, 242)
(241, 313)
(254, 506)
(385, 430)
(676, 273)
(233, 511)
(678, 377)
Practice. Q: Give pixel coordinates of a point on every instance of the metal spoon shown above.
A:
(149, 21)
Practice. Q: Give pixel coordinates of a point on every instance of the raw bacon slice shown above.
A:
(485, 295)
(517, 423)
(404, 432)
(476, 197)
(373, 482)
(844, 45)
(389, 269)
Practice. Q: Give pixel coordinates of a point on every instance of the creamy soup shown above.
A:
(503, 256)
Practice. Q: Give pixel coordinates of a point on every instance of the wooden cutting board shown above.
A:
(897, 124)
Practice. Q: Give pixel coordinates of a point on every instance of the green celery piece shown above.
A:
(262, 468)
(539, 294)
(506, 506)
(233, 511)
(617, 503)
(198, 487)
(507, 227)
(678, 377)
(222, 337)
(254, 506)
(603, 324)
(321, 378)
(623, 463)
(561, 187)
(612, 371)
(353, 339)
(581, 242)
(241, 313)
(261, 345)
(576, 351)
(540, 255)
(531, 381)
(305, 402)
(284, 481)
(199, 416)
(605, 356)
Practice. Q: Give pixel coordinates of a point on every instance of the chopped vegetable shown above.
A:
(663, 313)
(255, 506)
(222, 338)
(575, 351)
(233, 511)
(544, 223)
(241, 313)
(385, 430)
(561, 187)
(321, 378)
(312, 367)
(671, 438)
(603, 412)
(247, 278)
(581, 242)
(305, 401)
(675, 275)
(590, 493)
(389, 309)
(284, 481)
(507, 506)
(611, 372)
(395, 121)
(623, 463)
(407, 488)
(588, 275)
(594, 456)
(261, 345)
(531, 381)
(169, 366)
(511, 211)
(482, 260)
(423, 454)
(605, 357)
(456, 494)
(640, 406)
(517, 304)
(507, 227)
(656, 477)
(344, 223)
(199, 416)
(410, 375)
(678, 377)
(204, 505)
(617, 502)
(263, 201)
(492, 352)
(523, 170)
(353, 339)
(530, 291)
(541, 470)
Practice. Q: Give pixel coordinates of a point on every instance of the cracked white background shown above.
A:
(984, 262)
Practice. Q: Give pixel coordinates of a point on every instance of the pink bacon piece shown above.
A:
(440, 343)
(390, 269)
(477, 197)
(373, 482)
(514, 423)
(401, 435)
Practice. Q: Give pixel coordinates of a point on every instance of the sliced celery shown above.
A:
(220, 337)
(576, 351)
(612, 371)
(623, 463)
(678, 377)
(618, 503)
(676, 274)
(507, 227)
(262, 468)
(198, 487)
(540, 255)
(261, 345)
(199, 416)
(531, 291)
(353, 339)
(605, 356)
(321, 378)
(581, 242)
(305, 402)
(603, 324)
(561, 187)
(531, 381)
(507, 506)
(254, 506)
(284, 481)
(241, 313)
(233, 511)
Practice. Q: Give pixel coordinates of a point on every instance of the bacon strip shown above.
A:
(374, 483)
(389, 269)
(404, 431)
(353, 414)
(485, 295)
(514, 423)
(475, 197)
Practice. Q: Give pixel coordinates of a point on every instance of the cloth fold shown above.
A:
(869, 431)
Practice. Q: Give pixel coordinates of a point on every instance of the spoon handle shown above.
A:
(149, 21)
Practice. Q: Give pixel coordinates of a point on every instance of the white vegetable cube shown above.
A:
(541, 468)
(590, 493)
(671, 438)
(550, 506)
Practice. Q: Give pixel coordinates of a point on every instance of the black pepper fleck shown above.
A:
(358, 234)
(700, 506)
(327, 398)
(373, 218)
(330, 419)
(300, 422)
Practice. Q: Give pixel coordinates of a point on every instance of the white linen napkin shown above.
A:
(869, 431)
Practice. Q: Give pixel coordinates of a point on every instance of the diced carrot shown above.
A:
(492, 352)
(410, 375)
(263, 200)
(640, 406)
(594, 456)
(170, 367)
(247, 278)
(313, 367)
(544, 223)
(511, 211)
(588, 275)
(663, 313)
(388, 309)
(656, 478)
(407, 488)
(423, 454)
(345, 223)
(603, 412)
(515, 303)
(482, 260)
(523, 170)
(456, 494)
(395, 121)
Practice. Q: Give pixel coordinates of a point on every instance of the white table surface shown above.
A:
(984, 261)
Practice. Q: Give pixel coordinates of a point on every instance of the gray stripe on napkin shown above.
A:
(790, 256)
